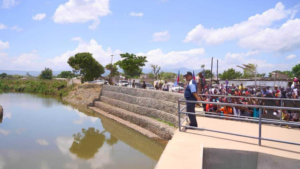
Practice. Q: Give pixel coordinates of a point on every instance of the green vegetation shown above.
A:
(155, 69)
(131, 64)
(46, 74)
(86, 66)
(48, 87)
(230, 74)
(166, 122)
(113, 69)
(296, 70)
(66, 74)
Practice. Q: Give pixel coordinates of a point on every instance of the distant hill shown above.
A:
(182, 70)
(23, 73)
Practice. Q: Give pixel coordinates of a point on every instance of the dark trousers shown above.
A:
(190, 108)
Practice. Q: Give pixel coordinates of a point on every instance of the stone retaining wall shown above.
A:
(153, 94)
(149, 102)
(145, 111)
(158, 128)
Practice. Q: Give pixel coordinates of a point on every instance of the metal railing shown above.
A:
(258, 120)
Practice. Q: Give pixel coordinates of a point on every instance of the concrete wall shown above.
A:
(236, 159)
(156, 111)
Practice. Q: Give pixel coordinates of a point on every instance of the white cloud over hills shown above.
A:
(82, 11)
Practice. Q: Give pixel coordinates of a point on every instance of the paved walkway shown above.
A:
(185, 148)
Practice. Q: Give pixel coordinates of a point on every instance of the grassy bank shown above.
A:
(47, 87)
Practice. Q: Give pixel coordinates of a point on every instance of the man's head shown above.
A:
(133, 80)
(200, 75)
(241, 84)
(188, 76)
(166, 82)
(276, 87)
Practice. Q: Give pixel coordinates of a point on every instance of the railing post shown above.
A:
(281, 111)
(259, 130)
(179, 123)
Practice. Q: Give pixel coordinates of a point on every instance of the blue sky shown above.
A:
(172, 33)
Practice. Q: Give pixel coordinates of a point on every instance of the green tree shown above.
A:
(46, 74)
(260, 74)
(86, 66)
(230, 74)
(132, 64)
(208, 74)
(66, 74)
(288, 73)
(250, 71)
(155, 69)
(87, 143)
(151, 75)
(167, 75)
(113, 69)
(3, 75)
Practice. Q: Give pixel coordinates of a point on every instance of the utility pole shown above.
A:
(218, 71)
(212, 60)
(111, 69)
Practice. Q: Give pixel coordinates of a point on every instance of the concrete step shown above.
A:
(164, 131)
(165, 106)
(154, 94)
(126, 123)
(145, 111)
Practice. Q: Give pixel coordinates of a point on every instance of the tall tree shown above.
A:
(86, 66)
(230, 74)
(250, 71)
(113, 71)
(155, 69)
(131, 64)
(46, 74)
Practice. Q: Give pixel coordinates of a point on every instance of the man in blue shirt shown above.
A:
(190, 93)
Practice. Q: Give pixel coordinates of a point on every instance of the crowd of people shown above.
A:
(220, 93)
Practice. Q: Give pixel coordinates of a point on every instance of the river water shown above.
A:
(44, 133)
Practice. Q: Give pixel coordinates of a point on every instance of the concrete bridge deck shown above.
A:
(185, 149)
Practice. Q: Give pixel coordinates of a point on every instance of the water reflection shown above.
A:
(42, 132)
(87, 143)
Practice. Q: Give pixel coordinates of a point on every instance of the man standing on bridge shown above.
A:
(190, 94)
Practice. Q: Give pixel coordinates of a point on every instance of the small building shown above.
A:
(144, 76)
(279, 75)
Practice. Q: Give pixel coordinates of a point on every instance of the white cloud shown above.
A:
(175, 59)
(291, 56)
(9, 3)
(3, 45)
(16, 28)
(4, 132)
(81, 11)
(42, 142)
(239, 30)
(33, 61)
(2, 26)
(161, 36)
(39, 17)
(20, 131)
(76, 39)
(284, 39)
(136, 14)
